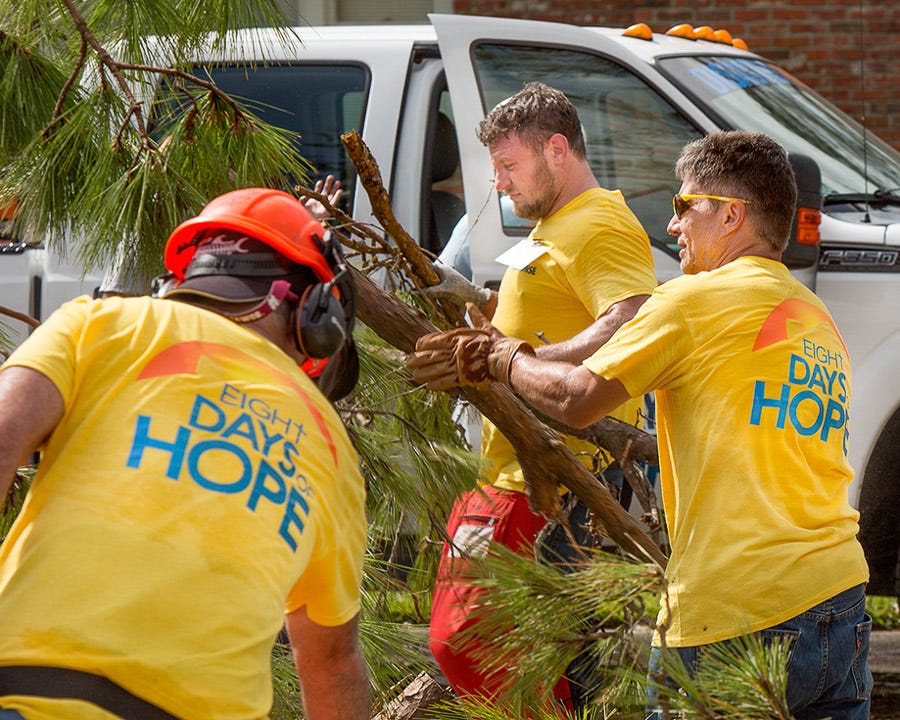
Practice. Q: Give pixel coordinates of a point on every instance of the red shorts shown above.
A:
(478, 516)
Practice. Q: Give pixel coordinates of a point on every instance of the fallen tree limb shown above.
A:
(370, 177)
(422, 270)
(545, 459)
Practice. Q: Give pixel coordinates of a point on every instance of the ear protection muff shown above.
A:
(320, 324)
(325, 314)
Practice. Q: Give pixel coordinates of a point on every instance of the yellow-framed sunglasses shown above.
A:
(682, 203)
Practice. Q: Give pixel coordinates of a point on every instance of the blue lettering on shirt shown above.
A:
(259, 446)
(814, 400)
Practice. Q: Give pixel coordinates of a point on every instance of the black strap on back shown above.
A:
(63, 683)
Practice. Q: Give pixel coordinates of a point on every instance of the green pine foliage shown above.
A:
(107, 134)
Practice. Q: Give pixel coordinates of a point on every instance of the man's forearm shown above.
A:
(332, 671)
(584, 344)
(569, 393)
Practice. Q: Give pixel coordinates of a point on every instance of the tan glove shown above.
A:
(454, 358)
(464, 357)
(479, 321)
(500, 359)
(503, 349)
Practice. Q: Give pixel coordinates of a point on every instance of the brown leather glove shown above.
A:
(504, 348)
(478, 320)
(454, 358)
(500, 358)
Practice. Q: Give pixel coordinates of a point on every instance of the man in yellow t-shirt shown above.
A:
(752, 382)
(196, 492)
(584, 270)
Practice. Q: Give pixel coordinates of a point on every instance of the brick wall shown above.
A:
(818, 42)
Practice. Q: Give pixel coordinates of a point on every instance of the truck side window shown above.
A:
(633, 135)
(442, 195)
(318, 101)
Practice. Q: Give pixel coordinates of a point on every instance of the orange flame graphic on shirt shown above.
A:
(775, 327)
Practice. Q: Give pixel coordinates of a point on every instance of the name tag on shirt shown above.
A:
(522, 254)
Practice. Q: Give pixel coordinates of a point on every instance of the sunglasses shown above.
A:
(682, 203)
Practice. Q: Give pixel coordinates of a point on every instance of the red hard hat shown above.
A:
(272, 216)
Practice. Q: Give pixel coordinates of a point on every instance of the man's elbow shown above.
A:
(577, 407)
(577, 414)
(589, 397)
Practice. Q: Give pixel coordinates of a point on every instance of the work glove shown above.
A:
(456, 288)
(465, 357)
(453, 358)
(503, 349)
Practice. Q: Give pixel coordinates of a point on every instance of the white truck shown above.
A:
(416, 94)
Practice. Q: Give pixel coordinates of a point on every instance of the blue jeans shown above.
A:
(828, 671)
(11, 715)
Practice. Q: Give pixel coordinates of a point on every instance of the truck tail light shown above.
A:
(808, 220)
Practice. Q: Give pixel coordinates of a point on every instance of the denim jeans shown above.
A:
(11, 715)
(828, 671)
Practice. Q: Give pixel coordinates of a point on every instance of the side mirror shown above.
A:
(802, 253)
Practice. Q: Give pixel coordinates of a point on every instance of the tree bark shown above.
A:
(415, 699)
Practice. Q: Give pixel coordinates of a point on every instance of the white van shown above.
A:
(417, 93)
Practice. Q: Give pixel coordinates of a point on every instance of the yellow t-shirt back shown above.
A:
(753, 391)
(197, 488)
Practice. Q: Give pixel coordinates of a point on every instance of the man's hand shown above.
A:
(503, 348)
(454, 358)
(456, 288)
(331, 189)
(502, 354)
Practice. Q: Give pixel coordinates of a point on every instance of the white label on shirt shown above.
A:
(523, 253)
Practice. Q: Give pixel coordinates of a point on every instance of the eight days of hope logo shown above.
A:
(221, 428)
(814, 399)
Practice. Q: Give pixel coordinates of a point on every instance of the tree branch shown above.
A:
(546, 461)
(27, 319)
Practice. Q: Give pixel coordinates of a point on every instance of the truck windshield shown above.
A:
(750, 94)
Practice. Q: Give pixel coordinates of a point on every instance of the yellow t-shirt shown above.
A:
(197, 488)
(752, 407)
(597, 255)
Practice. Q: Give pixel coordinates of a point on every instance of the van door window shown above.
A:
(442, 187)
(633, 135)
(320, 102)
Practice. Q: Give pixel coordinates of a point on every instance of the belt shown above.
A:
(57, 682)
